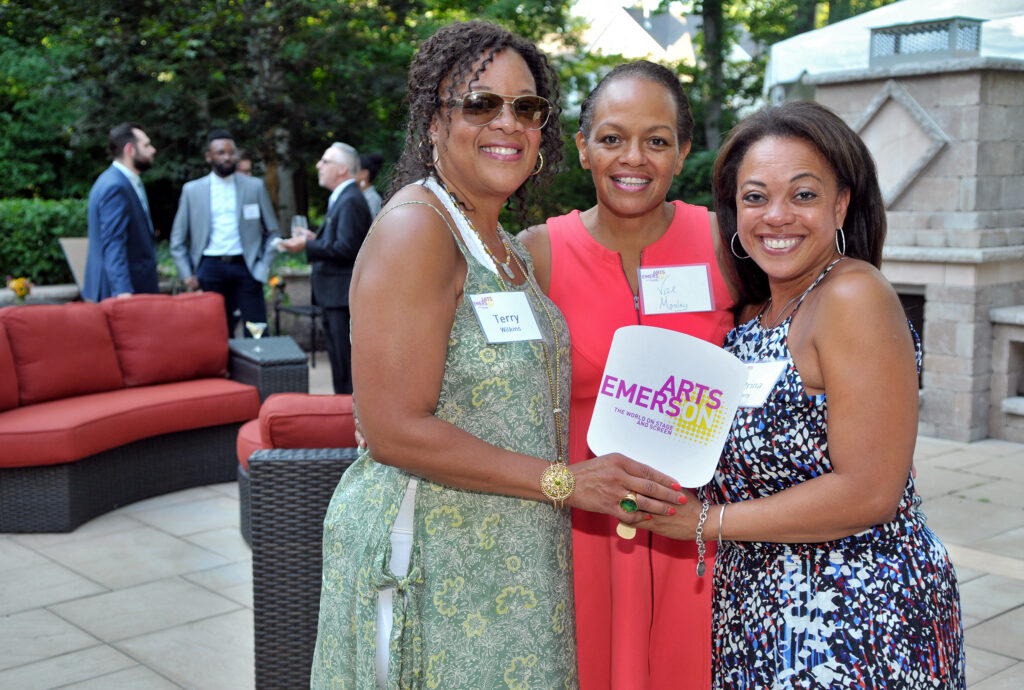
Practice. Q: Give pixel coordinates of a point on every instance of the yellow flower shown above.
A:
(444, 600)
(485, 533)
(475, 624)
(517, 674)
(19, 286)
(455, 518)
(511, 596)
(538, 410)
(488, 354)
(558, 619)
(491, 388)
(434, 681)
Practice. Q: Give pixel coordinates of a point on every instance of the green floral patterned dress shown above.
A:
(488, 596)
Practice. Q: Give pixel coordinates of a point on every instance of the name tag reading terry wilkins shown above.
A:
(505, 317)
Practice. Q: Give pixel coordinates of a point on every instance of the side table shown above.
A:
(277, 366)
(309, 311)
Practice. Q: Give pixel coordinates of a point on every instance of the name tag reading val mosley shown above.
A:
(505, 317)
(667, 400)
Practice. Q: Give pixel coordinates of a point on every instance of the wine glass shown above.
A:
(256, 329)
(299, 222)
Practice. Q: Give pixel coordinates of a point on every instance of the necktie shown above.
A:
(141, 191)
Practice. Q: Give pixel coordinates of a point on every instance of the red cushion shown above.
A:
(248, 442)
(61, 350)
(73, 428)
(160, 338)
(300, 420)
(8, 376)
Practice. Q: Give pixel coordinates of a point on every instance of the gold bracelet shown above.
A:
(557, 483)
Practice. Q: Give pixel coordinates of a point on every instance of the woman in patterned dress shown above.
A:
(445, 566)
(826, 575)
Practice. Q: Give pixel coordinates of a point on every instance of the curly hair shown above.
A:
(642, 69)
(450, 54)
(848, 157)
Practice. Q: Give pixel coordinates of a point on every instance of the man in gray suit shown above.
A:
(223, 233)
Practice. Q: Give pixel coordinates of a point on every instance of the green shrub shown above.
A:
(30, 228)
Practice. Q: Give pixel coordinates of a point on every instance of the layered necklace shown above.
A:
(550, 359)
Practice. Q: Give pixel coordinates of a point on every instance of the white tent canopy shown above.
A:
(845, 45)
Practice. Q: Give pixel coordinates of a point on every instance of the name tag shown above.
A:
(675, 289)
(761, 379)
(505, 317)
(251, 211)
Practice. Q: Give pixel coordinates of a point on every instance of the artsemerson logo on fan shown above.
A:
(679, 407)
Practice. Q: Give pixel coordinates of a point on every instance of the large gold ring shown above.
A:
(628, 503)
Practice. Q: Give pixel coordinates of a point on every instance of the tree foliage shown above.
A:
(287, 77)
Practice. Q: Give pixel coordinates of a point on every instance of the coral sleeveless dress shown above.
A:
(643, 617)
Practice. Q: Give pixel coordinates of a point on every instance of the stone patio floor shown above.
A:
(158, 594)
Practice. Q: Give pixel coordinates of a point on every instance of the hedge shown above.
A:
(29, 229)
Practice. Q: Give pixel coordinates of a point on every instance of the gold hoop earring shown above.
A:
(540, 167)
(732, 248)
(433, 161)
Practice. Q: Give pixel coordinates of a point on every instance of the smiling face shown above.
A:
(493, 160)
(633, 150)
(788, 207)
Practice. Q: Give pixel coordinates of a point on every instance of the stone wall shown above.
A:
(948, 138)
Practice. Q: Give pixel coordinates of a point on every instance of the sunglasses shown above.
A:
(481, 108)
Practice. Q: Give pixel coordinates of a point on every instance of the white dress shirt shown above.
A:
(224, 237)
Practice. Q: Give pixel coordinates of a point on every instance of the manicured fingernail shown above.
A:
(671, 511)
(677, 486)
(647, 517)
(682, 498)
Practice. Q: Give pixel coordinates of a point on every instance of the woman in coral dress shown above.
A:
(643, 616)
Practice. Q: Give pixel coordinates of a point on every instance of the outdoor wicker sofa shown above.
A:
(105, 404)
(284, 492)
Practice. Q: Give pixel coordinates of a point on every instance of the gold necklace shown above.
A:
(506, 265)
(552, 377)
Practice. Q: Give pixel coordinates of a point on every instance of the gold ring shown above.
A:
(628, 503)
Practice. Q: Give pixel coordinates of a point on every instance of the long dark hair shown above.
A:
(847, 156)
(450, 54)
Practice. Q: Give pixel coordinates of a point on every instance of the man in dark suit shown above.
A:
(332, 251)
(122, 246)
(222, 238)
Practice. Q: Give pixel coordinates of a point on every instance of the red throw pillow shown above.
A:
(299, 420)
(8, 375)
(61, 350)
(160, 338)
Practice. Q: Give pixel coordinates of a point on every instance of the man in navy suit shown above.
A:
(332, 251)
(122, 246)
(222, 238)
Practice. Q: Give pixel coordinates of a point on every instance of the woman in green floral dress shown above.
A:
(445, 563)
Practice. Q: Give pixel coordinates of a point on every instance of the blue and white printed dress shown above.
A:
(879, 609)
